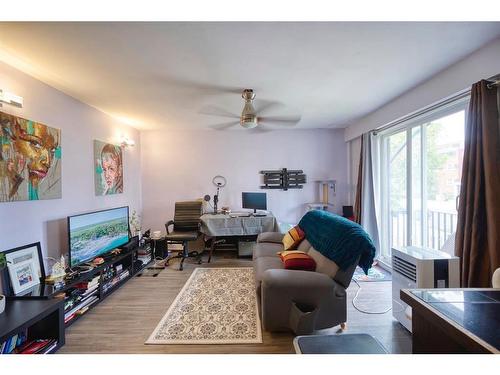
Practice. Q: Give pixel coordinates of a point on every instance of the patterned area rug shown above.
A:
(376, 273)
(215, 306)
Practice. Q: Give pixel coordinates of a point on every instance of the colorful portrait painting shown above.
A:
(108, 168)
(30, 160)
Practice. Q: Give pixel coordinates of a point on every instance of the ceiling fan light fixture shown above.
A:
(248, 118)
(248, 122)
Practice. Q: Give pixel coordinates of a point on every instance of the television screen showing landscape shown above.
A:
(97, 233)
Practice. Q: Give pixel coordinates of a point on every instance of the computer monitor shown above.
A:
(255, 201)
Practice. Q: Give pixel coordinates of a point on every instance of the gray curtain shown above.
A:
(478, 229)
(365, 204)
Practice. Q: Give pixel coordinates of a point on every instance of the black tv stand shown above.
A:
(112, 274)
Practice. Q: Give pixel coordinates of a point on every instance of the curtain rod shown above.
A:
(459, 95)
(493, 84)
(495, 81)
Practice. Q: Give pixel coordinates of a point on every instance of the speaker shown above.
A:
(161, 247)
(347, 211)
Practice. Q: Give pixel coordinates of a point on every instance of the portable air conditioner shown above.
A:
(414, 267)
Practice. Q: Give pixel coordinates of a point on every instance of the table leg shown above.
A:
(212, 245)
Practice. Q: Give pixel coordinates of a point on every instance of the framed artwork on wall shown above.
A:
(108, 164)
(25, 268)
(30, 160)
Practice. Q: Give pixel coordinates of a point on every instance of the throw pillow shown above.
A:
(286, 252)
(292, 238)
(298, 261)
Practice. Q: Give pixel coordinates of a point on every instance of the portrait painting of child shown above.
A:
(108, 168)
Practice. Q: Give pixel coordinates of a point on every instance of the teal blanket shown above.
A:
(338, 239)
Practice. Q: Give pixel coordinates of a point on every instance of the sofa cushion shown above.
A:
(275, 237)
(304, 246)
(323, 264)
(267, 249)
(293, 238)
(297, 260)
(263, 264)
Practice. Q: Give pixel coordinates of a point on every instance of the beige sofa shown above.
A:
(301, 301)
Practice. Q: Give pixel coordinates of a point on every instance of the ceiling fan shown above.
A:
(250, 117)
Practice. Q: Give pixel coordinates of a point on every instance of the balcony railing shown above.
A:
(441, 227)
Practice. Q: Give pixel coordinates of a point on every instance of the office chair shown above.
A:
(186, 225)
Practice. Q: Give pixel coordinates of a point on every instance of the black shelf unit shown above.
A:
(44, 319)
(126, 260)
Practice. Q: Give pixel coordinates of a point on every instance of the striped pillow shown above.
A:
(293, 238)
(298, 260)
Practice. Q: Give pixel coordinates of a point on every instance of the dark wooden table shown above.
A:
(454, 320)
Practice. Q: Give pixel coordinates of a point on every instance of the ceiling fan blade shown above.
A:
(263, 106)
(224, 125)
(285, 121)
(217, 111)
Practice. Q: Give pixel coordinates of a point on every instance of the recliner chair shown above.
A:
(186, 227)
(283, 293)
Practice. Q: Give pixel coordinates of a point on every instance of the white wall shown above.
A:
(25, 222)
(482, 64)
(180, 165)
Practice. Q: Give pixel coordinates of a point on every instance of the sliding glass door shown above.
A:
(421, 166)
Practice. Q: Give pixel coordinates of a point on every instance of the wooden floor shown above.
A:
(123, 322)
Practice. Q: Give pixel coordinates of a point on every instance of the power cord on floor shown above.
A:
(366, 311)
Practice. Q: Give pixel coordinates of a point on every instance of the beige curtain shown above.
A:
(478, 228)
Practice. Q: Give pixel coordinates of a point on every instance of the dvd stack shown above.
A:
(80, 298)
(114, 276)
(144, 254)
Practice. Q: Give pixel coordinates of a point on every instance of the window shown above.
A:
(421, 164)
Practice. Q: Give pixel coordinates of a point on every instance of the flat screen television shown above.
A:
(255, 201)
(96, 233)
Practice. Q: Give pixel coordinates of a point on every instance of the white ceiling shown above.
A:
(155, 75)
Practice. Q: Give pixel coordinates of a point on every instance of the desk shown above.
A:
(226, 225)
(454, 320)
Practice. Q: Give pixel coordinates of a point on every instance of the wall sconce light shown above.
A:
(127, 142)
(11, 99)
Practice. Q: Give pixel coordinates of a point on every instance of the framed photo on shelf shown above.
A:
(23, 276)
(25, 268)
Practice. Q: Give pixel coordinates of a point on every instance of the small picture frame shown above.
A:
(23, 276)
(25, 268)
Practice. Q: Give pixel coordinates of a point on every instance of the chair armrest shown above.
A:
(170, 222)
(296, 282)
(273, 237)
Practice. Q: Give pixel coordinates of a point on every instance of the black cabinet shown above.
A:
(39, 319)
